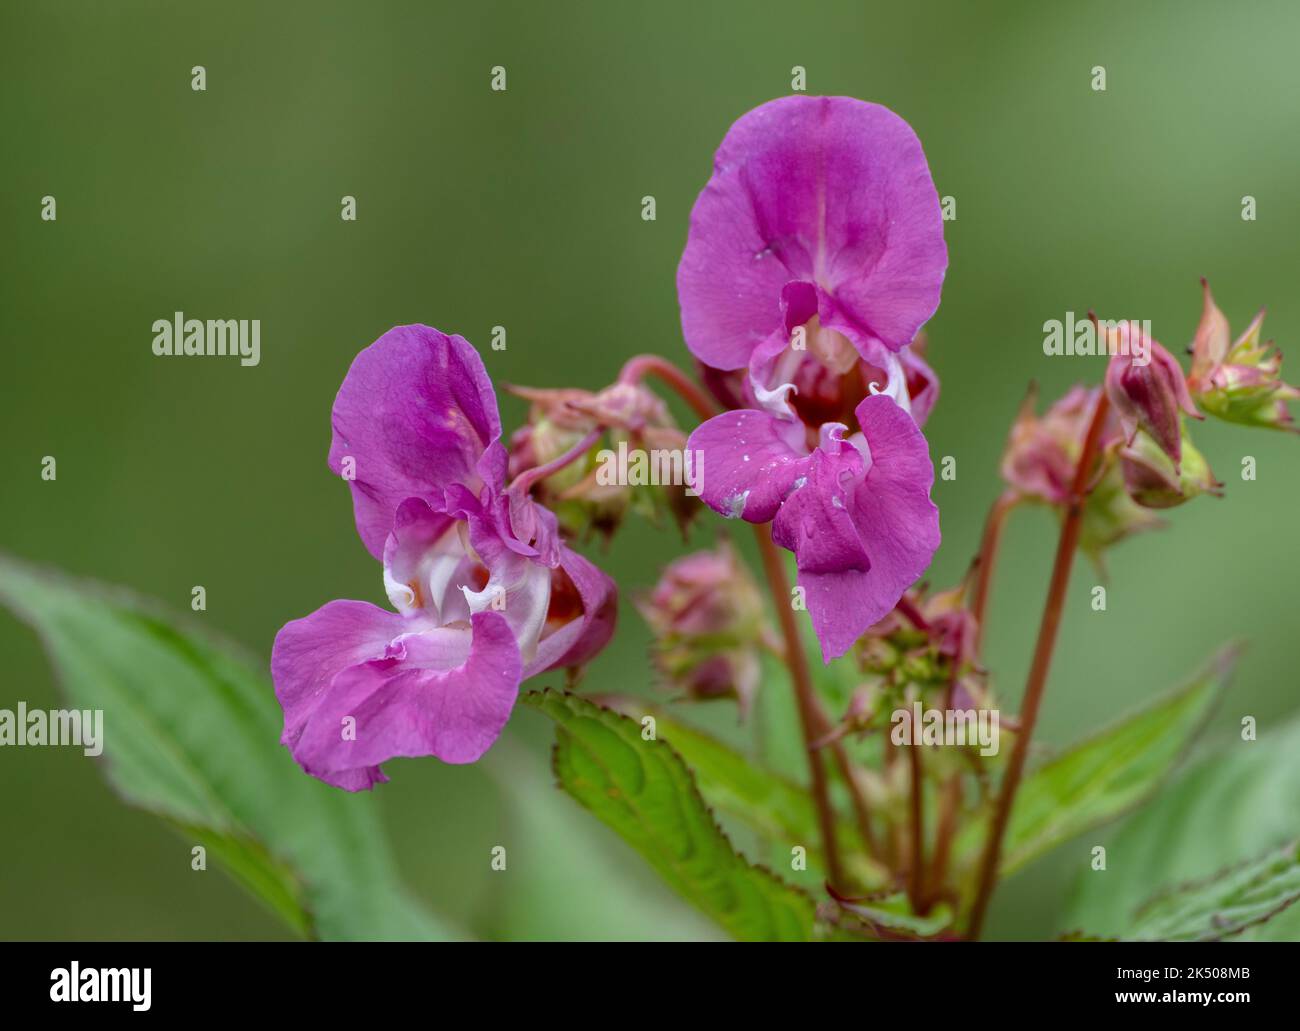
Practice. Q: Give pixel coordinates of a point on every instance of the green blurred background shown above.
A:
(522, 209)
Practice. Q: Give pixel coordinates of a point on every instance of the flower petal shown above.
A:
(829, 191)
(861, 541)
(446, 692)
(310, 652)
(748, 462)
(415, 414)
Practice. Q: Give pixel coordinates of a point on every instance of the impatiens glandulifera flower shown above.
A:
(1241, 383)
(855, 509)
(815, 254)
(818, 207)
(486, 592)
(707, 618)
(1150, 396)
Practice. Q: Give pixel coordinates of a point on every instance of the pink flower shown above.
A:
(486, 593)
(814, 256)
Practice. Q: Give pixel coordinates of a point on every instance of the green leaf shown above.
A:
(1225, 904)
(191, 732)
(570, 867)
(892, 911)
(771, 805)
(1242, 800)
(646, 793)
(1107, 774)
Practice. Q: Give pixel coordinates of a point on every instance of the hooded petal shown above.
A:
(749, 462)
(445, 691)
(860, 540)
(415, 414)
(827, 191)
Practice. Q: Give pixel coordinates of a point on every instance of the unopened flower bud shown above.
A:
(626, 406)
(1152, 479)
(1241, 382)
(1146, 387)
(557, 421)
(707, 618)
(1042, 452)
(554, 425)
(1110, 515)
(927, 640)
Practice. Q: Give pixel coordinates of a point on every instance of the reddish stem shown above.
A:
(987, 559)
(1038, 670)
(912, 613)
(916, 861)
(811, 714)
(861, 811)
(805, 698)
(643, 365)
(949, 806)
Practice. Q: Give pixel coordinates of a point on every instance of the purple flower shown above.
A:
(815, 255)
(486, 593)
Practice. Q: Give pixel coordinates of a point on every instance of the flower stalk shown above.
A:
(805, 700)
(637, 368)
(1037, 681)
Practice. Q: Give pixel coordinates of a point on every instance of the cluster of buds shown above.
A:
(929, 642)
(585, 500)
(1042, 457)
(1146, 458)
(706, 615)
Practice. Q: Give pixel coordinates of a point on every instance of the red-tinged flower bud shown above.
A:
(555, 424)
(1239, 382)
(1146, 386)
(1043, 451)
(707, 618)
(952, 626)
(580, 496)
(1152, 479)
(625, 406)
(927, 639)
(1110, 516)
